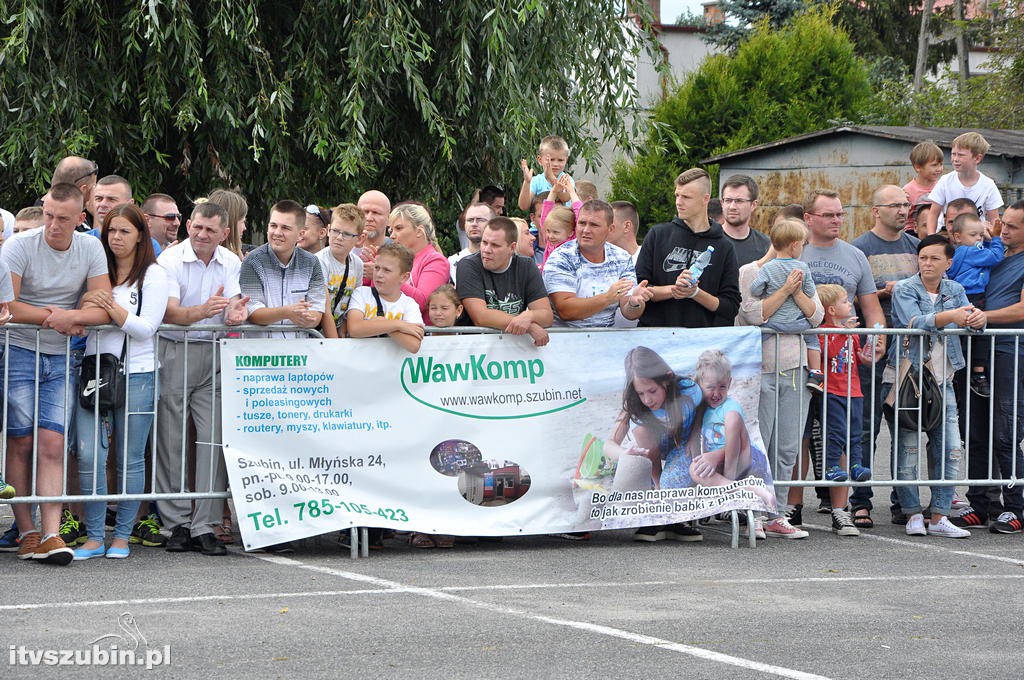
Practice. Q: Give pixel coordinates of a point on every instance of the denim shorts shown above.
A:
(54, 388)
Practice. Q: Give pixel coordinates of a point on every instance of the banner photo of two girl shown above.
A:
(684, 442)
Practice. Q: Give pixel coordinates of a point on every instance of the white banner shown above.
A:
(487, 435)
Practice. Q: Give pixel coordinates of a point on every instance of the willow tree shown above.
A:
(311, 100)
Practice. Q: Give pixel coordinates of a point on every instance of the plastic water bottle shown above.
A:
(700, 264)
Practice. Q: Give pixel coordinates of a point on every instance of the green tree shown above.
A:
(880, 29)
(990, 100)
(743, 15)
(778, 83)
(311, 100)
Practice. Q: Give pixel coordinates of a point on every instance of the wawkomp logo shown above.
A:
(485, 385)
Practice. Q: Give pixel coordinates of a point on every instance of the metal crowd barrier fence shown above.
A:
(72, 357)
(977, 421)
(970, 415)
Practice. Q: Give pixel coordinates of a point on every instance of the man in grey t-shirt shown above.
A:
(50, 269)
(832, 260)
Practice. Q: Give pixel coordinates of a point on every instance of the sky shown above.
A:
(670, 9)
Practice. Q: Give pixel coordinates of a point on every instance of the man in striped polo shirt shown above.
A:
(284, 283)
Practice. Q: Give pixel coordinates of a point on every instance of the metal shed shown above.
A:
(857, 159)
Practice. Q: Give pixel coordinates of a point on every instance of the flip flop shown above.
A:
(862, 519)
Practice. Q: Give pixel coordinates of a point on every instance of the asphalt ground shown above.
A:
(882, 605)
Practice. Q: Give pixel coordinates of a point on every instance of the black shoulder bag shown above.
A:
(104, 379)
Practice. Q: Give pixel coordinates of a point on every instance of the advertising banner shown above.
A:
(487, 435)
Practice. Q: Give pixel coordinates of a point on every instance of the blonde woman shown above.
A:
(237, 208)
(411, 226)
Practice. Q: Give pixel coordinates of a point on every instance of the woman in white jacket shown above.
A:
(136, 305)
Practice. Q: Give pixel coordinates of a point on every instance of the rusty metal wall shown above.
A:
(852, 164)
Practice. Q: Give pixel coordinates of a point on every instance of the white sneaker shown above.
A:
(959, 502)
(781, 528)
(915, 525)
(947, 529)
(759, 529)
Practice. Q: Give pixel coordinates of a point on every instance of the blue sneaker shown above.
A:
(836, 474)
(860, 473)
(9, 541)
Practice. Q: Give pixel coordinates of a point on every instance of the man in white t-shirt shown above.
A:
(50, 269)
(203, 290)
(476, 217)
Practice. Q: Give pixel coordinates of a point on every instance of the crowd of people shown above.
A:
(938, 256)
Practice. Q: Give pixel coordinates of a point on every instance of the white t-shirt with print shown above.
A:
(402, 309)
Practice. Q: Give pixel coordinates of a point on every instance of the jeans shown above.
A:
(839, 437)
(1007, 430)
(861, 496)
(52, 384)
(945, 453)
(131, 464)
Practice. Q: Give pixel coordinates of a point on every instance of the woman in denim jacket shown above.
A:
(929, 302)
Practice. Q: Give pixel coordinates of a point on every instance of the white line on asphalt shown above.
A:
(608, 631)
(928, 546)
(507, 586)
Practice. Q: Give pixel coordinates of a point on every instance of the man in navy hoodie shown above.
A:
(669, 251)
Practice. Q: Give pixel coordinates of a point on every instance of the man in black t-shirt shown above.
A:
(502, 290)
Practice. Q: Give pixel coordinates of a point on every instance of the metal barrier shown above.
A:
(190, 336)
(876, 382)
(981, 430)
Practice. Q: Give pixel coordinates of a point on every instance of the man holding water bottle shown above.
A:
(689, 263)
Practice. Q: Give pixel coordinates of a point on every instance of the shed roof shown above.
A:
(1006, 143)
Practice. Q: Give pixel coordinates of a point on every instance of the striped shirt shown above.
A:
(269, 284)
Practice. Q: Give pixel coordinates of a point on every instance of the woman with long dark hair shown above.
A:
(136, 305)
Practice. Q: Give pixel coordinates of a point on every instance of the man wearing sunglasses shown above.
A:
(164, 218)
(892, 256)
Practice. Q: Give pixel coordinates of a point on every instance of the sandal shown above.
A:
(223, 533)
(418, 540)
(862, 518)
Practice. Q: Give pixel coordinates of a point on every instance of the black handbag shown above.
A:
(104, 384)
(918, 399)
(105, 380)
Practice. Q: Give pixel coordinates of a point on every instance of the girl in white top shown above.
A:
(136, 304)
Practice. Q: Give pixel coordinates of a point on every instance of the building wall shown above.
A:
(685, 50)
